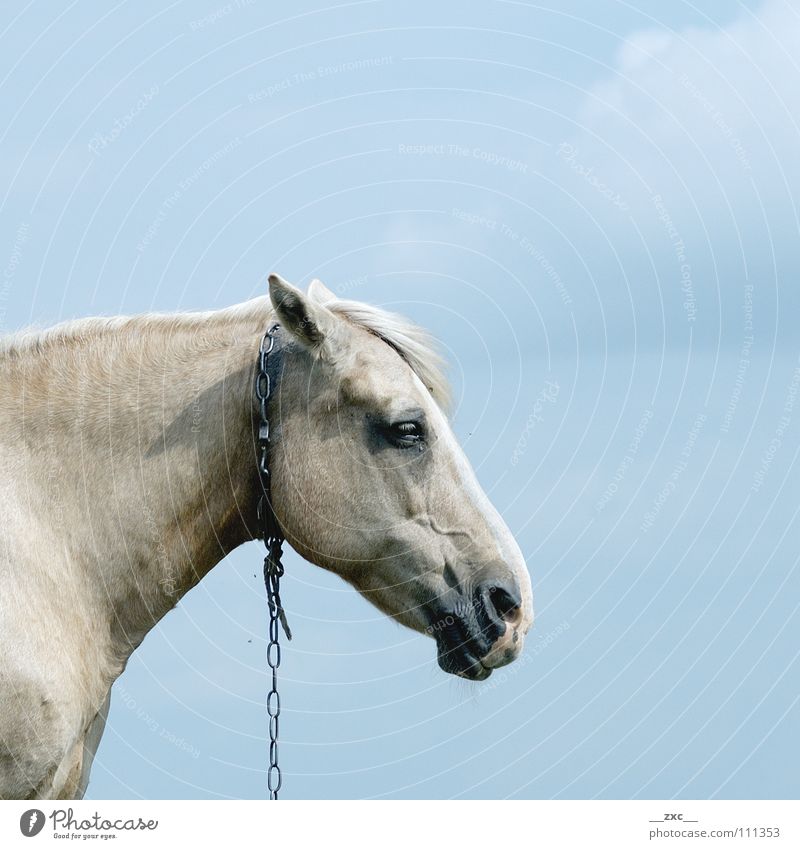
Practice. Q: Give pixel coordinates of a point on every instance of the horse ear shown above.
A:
(308, 322)
(320, 293)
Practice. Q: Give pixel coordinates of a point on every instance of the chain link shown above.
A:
(273, 568)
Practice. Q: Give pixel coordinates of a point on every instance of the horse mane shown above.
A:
(127, 328)
(413, 343)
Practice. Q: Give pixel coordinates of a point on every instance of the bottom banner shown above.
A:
(549, 824)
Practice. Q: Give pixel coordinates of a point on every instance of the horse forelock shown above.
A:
(412, 342)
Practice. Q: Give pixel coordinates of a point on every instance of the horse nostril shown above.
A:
(504, 603)
(503, 600)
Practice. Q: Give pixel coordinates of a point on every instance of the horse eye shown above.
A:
(405, 434)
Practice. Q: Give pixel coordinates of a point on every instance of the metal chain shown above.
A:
(273, 568)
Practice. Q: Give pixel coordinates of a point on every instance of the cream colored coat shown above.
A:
(127, 471)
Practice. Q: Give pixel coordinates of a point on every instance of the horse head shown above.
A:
(369, 481)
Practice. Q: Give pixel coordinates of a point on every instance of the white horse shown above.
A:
(128, 470)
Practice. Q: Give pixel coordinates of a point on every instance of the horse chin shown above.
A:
(460, 657)
(463, 663)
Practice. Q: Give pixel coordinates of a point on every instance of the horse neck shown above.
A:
(151, 429)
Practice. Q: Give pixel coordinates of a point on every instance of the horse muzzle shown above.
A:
(479, 632)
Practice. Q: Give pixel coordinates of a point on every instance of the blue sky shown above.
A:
(598, 197)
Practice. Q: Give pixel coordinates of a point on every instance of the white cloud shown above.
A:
(712, 108)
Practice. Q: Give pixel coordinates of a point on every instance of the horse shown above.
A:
(128, 469)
